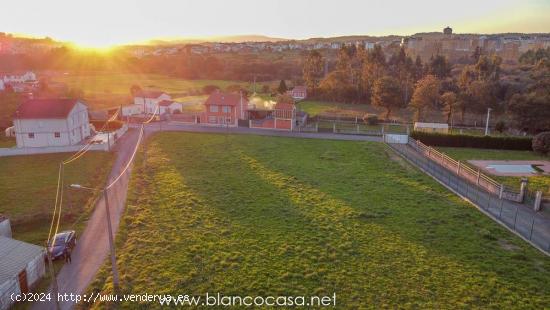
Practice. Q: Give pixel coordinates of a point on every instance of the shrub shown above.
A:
(500, 126)
(480, 142)
(371, 119)
(112, 126)
(541, 143)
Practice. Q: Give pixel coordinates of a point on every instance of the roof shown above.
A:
(166, 103)
(150, 94)
(45, 108)
(221, 98)
(299, 88)
(15, 255)
(284, 106)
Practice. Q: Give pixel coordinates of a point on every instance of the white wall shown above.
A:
(72, 130)
(151, 103)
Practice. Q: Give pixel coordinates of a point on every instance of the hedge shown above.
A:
(480, 142)
(112, 126)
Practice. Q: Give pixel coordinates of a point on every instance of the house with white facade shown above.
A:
(51, 122)
(150, 102)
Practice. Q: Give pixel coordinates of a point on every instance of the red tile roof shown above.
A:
(153, 94)
(166, 103)
(45, 108)
(284, 106)
(221, 98)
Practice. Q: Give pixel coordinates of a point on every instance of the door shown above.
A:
(23, 281)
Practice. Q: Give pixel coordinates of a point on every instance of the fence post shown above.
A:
(334, 127)
(522, 189)
(478, 175)
(538, 200)
(501, 191)
(382, 129)
(458, 167)
(356, 125)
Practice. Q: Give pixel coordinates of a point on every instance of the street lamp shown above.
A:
(109, 228)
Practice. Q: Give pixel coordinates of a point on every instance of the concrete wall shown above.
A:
(5, 228)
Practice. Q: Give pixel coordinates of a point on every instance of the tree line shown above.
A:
(397, 81)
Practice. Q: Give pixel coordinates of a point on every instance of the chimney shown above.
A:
(5, 227)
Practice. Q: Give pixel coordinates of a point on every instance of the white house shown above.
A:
(298, 92)
(149, 100)
(169, 107)
(51, 122)
(132, 109)
(28, 76)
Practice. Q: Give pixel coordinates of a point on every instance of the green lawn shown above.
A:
(251, 215)
(539, 182)
(28, 185)
(104, 90)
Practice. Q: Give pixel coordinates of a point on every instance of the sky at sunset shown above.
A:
(107, 22)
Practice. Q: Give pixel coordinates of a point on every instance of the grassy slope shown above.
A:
(540, 182)
(279, 216)
(28, 186)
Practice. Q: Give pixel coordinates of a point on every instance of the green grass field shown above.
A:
(539, 182)
(112, 89)
(251, 215)
(28, 186)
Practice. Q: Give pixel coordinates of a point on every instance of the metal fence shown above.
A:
(481, 191)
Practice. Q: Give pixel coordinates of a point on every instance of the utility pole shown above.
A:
(53, 277)
(487, 121)
(111, 243)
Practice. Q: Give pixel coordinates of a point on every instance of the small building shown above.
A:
(224, 109)
(51, 122)
(431, 127)
(298, 93)
(169, 107)
(281, 117)
(131, 109)
(21, 266)
(149, 100)
(448, 30)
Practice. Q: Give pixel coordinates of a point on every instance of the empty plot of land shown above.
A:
(250, 215)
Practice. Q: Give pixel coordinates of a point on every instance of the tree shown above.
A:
(439, 66)
(450, 101)
(285, 98)
(282, 87)
(386, 93)
(374, 67)
(530, 111)
(265, 89)
(313, 70)
(135, 89)
(337, 86)
(426, 95)
(209, 89)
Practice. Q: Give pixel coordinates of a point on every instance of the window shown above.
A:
(228, 120)
(213, 108)
(31, 135)
(226, 109)
(57, 134)
(212, 119)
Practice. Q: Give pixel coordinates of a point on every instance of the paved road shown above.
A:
(93, 244)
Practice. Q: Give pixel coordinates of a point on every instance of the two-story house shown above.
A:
(224, 109)
(51, 122)
(149, 100)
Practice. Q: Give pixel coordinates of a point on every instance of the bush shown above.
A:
(480, 142)
(112, 126)
(541, 143)
(371, 119)
(500, 126)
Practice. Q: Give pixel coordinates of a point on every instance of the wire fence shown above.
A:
(480, 190)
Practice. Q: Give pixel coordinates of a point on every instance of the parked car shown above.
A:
(62, 241)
